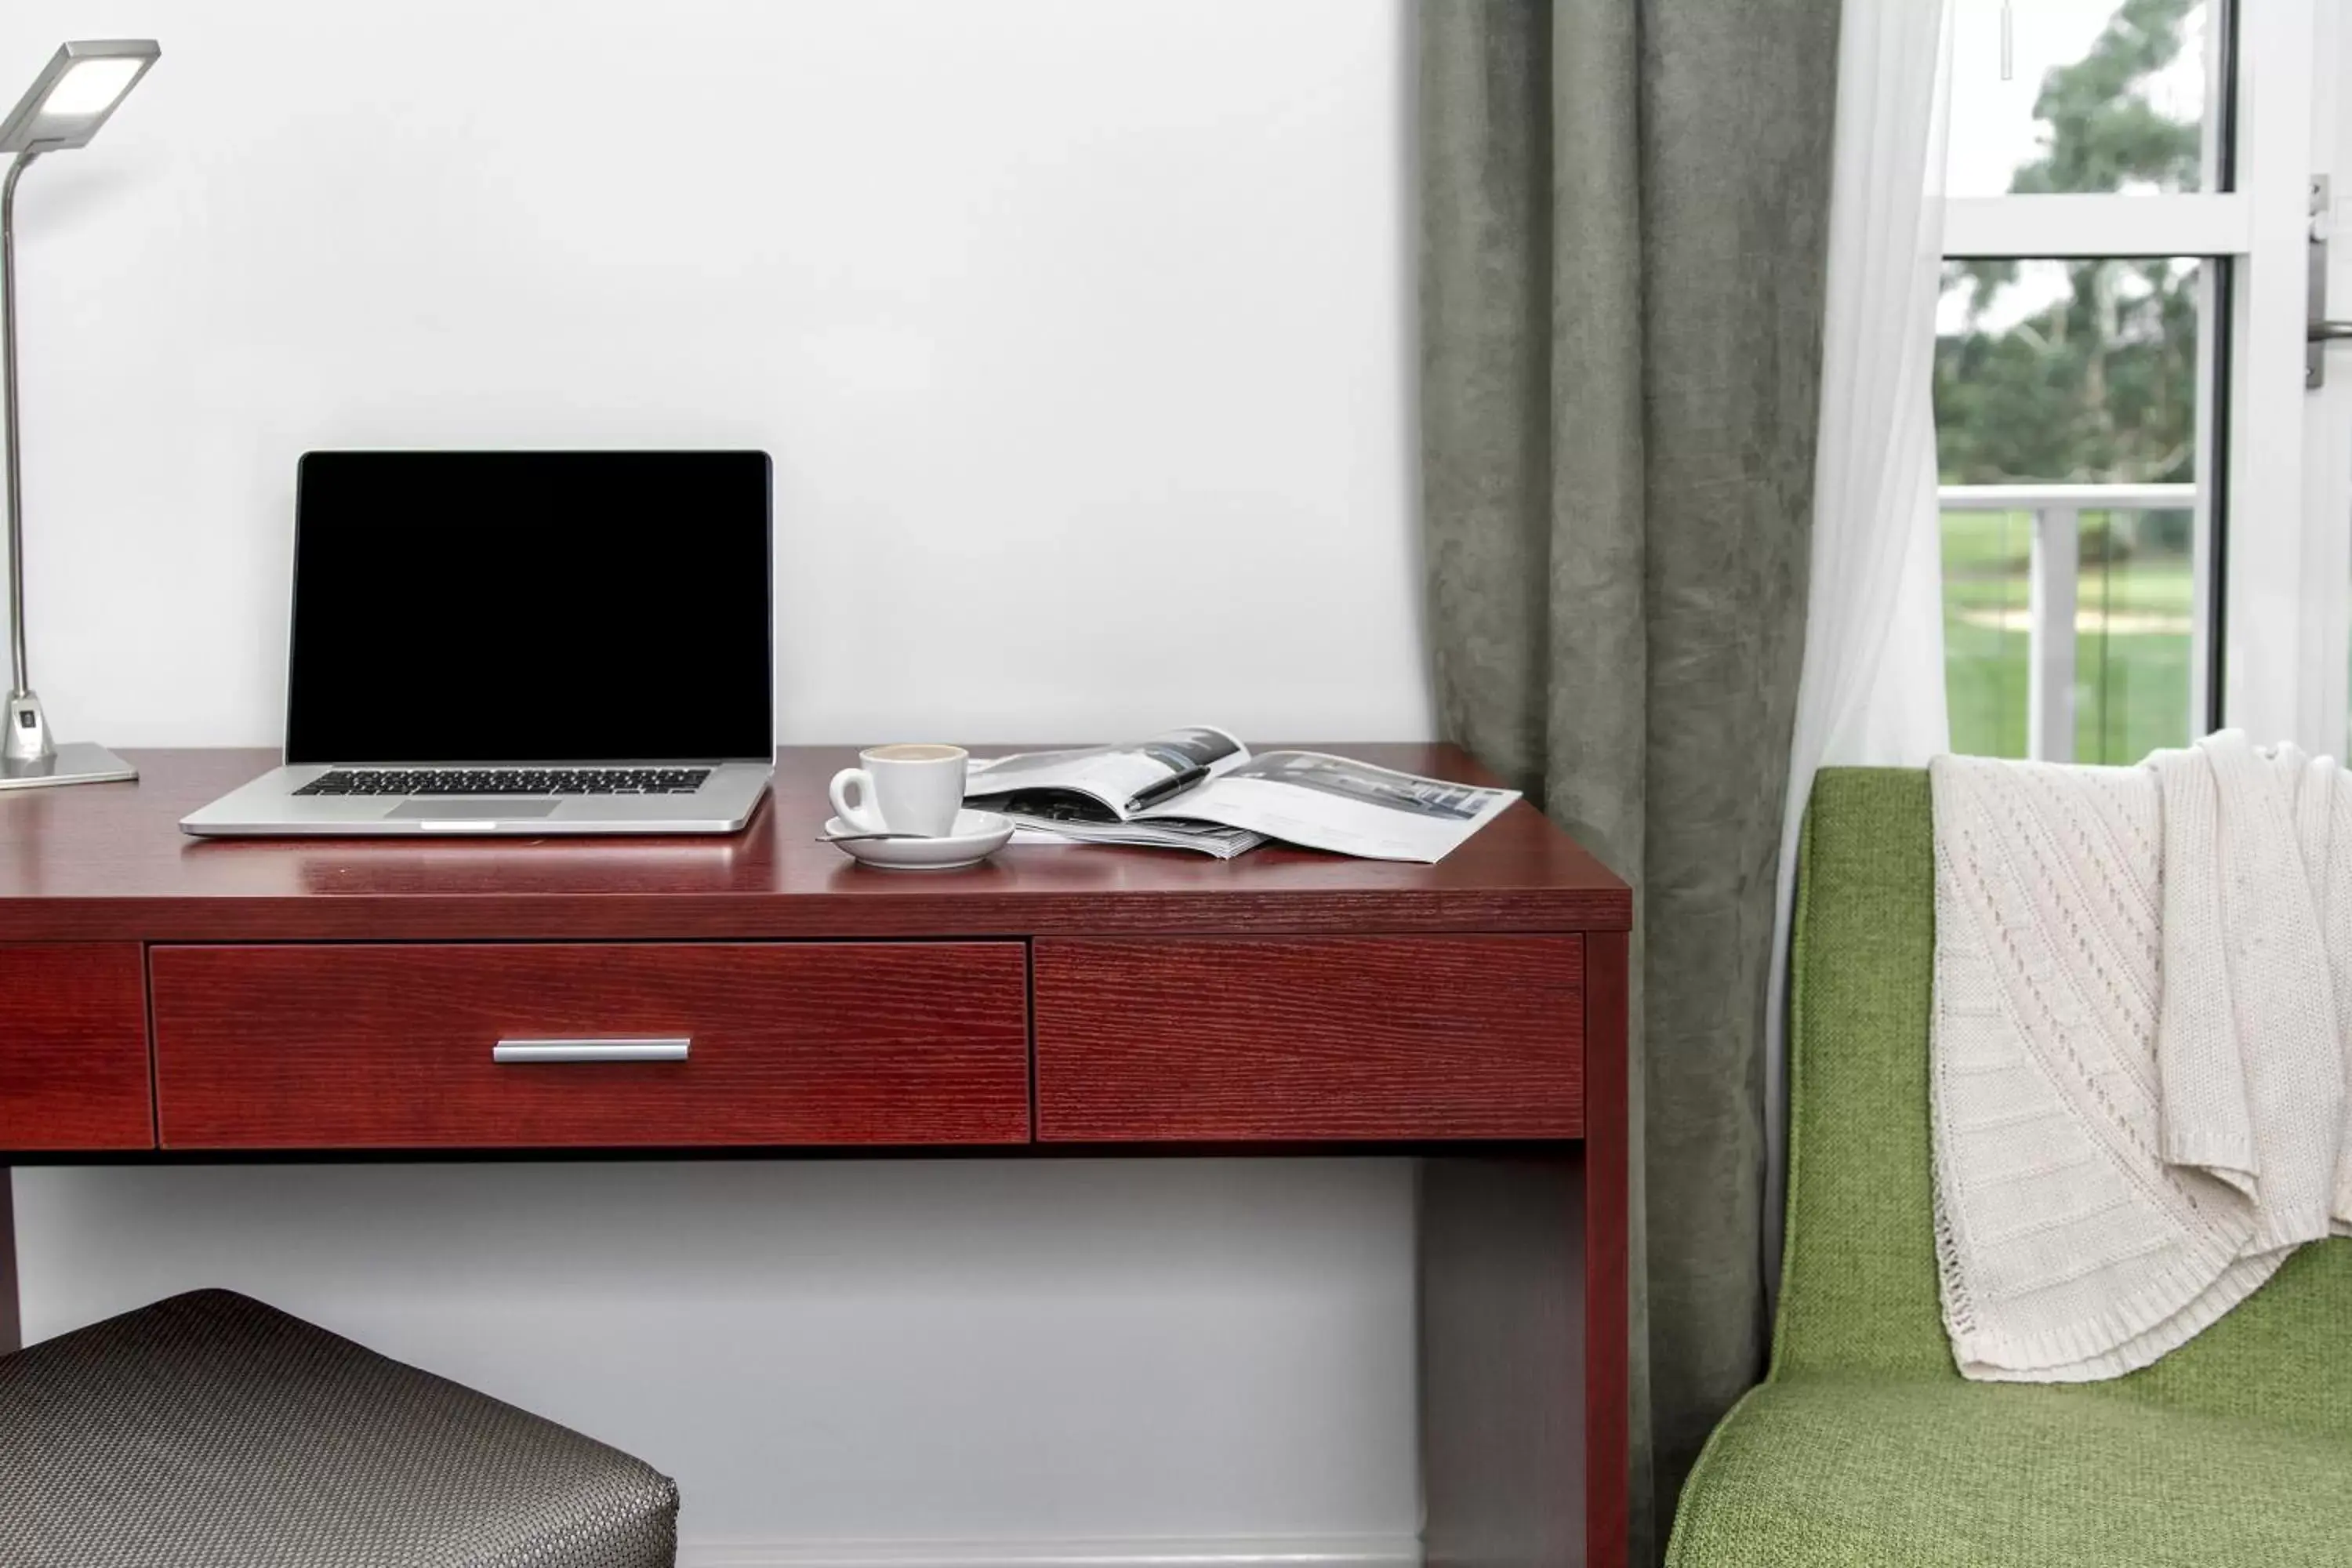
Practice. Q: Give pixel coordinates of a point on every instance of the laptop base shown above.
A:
(271, 806)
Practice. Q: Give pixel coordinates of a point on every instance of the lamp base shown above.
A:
(77, 762)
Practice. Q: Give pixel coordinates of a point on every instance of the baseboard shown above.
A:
(1222, 1552)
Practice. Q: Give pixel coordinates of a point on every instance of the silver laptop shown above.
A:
(523, 643)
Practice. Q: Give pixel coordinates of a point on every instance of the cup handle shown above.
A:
(864, 816)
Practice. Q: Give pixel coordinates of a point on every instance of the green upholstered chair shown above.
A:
(1863, 1445)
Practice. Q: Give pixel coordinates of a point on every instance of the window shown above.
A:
(2068, 391)
(2066, 396)
(2088, 96)
(2132, 549)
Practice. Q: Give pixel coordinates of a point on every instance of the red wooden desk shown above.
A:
(171, 998)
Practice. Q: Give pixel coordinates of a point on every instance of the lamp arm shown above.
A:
(15, 479)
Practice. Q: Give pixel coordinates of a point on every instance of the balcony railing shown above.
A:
(2054, 596)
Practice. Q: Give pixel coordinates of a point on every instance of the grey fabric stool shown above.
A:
(210, 1431)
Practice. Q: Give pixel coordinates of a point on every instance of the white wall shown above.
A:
(1079, 332)
(845, 1352)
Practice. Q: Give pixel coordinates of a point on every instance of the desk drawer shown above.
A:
(391, 1046)
(1280, 1039)
(73, 1049)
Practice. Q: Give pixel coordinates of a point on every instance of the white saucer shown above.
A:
(977, 834)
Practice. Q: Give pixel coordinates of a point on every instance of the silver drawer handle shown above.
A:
(653, 1050)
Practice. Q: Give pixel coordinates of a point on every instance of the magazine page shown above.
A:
(1107, 776)
(1168, 833)
(1342, 805)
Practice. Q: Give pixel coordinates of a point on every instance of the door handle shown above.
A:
(665, 1049)
(2319, 332)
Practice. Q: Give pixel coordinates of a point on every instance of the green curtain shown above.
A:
(1624, 225)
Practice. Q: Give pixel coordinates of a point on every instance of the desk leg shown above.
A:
(1502, 1362)
(1608, 1231)
(11, 1325)
(1524, 1381)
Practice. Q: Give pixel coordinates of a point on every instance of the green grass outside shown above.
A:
(2131, 680)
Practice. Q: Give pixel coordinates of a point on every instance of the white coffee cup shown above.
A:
(902, 789)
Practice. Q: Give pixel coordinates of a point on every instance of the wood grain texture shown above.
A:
(1503, 1446)
(73, 1049)
(108, 861)
(1608, 1280)
(365, 1046)
(1386, 1036)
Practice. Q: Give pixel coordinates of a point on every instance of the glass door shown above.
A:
(2118, 379)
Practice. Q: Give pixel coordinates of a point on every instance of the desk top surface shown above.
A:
(108, 862)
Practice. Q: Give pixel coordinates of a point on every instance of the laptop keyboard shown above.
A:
(507, 781)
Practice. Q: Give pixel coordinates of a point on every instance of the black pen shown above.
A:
(1176, 785)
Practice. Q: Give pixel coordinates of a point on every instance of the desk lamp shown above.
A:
(72, 98)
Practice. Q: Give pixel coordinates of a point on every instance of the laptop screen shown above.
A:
(531, 607)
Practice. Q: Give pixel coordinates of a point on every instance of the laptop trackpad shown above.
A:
(471, 808)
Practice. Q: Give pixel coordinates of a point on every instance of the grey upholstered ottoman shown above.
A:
(210, 1431)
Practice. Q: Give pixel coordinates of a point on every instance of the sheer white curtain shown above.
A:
(1873, 687)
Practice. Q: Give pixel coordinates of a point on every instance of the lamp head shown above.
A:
(76, 93)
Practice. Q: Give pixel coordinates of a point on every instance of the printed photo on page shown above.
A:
(1339, 803)
(1106, 779)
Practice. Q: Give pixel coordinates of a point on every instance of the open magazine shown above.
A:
(1199, 789)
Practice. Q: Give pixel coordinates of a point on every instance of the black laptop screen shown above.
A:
(531, 607)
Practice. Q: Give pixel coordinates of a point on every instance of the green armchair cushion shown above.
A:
(1865, 1445)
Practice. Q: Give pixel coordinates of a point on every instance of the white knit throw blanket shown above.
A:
(2139, 1051)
